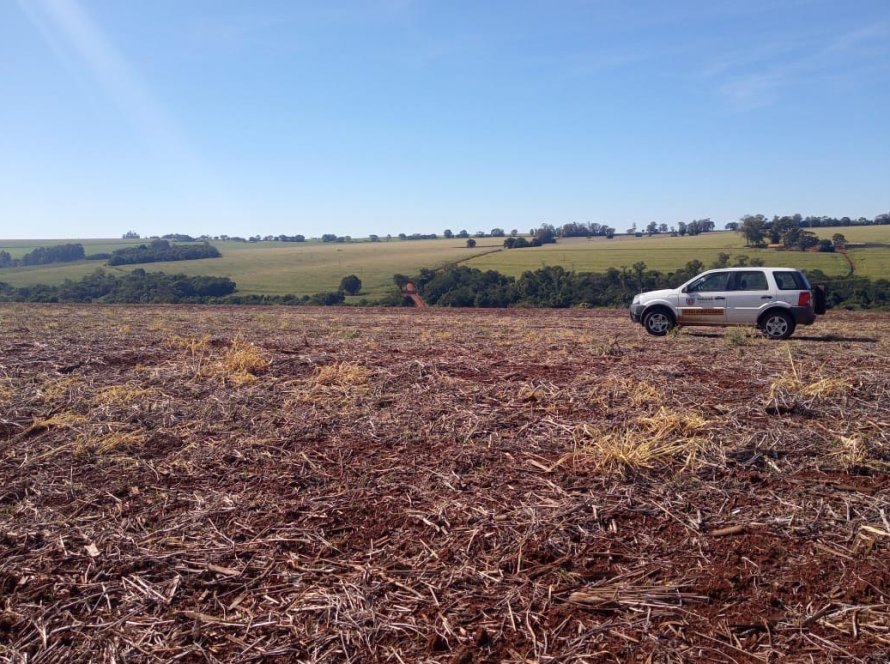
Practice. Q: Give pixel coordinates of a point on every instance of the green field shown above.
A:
(279, 268)
(311, 267)
(667, 253)
(18, 248)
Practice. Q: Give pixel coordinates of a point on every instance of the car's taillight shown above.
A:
(804, 299)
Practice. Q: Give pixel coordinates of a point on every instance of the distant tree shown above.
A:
(732, 226)
(838, 240)
(798, 238)
(781, 225)
(699, 226)
(5, 259)
(681, 228)
(471, 243)
(400, 280)
(662, 228)
(479, 234)
(546, 234)
(753, 229)
(497, 232)
(351, 285)
(403, 236)
(328, 237)
(633, 229)
(652, 228)
(463, 234)
(514, 232)
(447, 234)
(374, 238)
(131, 235)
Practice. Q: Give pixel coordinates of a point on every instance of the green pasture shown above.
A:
(879, 234)
(18, 248)
(667, 253)
(311, 267)
(280, 268)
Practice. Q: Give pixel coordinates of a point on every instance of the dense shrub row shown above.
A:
(138, 286)
(162, 250)
(141, 287)
(60, 253)
(553, 286)
(457, 286)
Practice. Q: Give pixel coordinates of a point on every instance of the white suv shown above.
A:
(775, 299)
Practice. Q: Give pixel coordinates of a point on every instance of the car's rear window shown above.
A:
(791, 281)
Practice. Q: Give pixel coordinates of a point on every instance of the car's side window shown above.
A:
(755, 280)
(716, 281)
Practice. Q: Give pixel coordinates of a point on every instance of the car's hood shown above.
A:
(658, 294)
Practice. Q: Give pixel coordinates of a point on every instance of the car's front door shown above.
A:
(749, 295)
(704, 302)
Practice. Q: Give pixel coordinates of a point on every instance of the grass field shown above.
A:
(18, 248)
(311, 267)
(669, 253)
(276, 268)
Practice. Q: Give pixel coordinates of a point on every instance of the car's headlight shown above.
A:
(636, 299)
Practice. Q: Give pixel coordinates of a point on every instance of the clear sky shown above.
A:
(388, 116)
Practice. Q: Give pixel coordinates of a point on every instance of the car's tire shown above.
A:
(777, 324)
(658, 321)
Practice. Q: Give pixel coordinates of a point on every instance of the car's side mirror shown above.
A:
(683, 290)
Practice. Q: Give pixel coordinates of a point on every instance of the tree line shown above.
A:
(141, 287)
(137, 286)
(60, 253)
(554, 286)
(162, 250)
(456, 286)
(789, 231)
(155, 251)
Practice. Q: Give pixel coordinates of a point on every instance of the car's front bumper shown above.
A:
(636, 312)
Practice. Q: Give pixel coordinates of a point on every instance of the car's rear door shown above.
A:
(750, 292)
(704, 300)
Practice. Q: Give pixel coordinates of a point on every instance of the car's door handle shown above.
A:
(766, 297)
(719, 298)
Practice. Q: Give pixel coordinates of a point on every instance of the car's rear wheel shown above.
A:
(658, 321)
(777, 325)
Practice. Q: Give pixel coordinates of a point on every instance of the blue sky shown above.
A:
(388, 116)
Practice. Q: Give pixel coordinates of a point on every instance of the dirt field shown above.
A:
(308, 485)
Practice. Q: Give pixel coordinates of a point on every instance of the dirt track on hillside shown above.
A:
(327, 485)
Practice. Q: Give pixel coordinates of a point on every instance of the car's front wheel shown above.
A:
(658, 322)
(777, 325)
